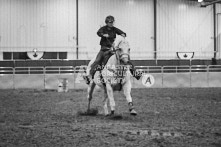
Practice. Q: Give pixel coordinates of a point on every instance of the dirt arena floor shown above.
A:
(166, 118)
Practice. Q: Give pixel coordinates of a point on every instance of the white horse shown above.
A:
(114, 76)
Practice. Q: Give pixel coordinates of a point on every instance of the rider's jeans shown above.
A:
(102, 56)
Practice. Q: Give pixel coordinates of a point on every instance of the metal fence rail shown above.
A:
(72, 70)
(165, 76)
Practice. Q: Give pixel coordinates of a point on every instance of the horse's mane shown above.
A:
(122, 43)
(119, 43)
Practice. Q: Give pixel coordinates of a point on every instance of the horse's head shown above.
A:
(123, 51)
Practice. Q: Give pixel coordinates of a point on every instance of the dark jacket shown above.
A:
(111, 31)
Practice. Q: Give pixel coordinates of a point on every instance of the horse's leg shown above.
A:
(105, 102)
(90, 90)
(127, 92)
(111, 97)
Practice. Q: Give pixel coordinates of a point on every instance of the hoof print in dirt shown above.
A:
(91, 112)
(115, 117)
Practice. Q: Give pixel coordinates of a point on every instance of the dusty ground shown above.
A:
(166, 118)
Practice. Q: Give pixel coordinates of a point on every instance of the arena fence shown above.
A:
(164, 77)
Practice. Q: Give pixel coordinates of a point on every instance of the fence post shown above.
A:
(13, 77)
(162, 72)
(207, 78)
(44, 77)
(190, 76)
(74, 70)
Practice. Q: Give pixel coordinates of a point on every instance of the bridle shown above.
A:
(120, 55)
(115, 50)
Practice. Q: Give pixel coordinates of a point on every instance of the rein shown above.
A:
(120, 55)
(116, 49)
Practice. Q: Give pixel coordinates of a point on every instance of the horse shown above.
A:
(114, 76)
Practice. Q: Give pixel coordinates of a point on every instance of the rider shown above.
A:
(108, 35)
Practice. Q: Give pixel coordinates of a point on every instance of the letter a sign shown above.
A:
(148, 80)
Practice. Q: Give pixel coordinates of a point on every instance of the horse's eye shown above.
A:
(129, 49)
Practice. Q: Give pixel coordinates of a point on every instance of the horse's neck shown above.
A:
(112, 61)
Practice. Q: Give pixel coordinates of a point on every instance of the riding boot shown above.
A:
(133, 71)
(92, 72)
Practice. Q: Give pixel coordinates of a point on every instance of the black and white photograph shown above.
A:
(110, 73)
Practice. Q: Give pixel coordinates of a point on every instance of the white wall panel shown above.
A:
(33, 81)
(219, 35)
(214, 79)
(184, 26)
(51, 25)
(4, 22)
(135, 17)
(6, 81)
(44, 24)
(218, 9)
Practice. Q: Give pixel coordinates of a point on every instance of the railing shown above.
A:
(76, 69)
(165, 76)
(179, 69)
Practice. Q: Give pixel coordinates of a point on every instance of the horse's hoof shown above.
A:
(133, 112)
(111, 114)
(107, 115)
(89, 112)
